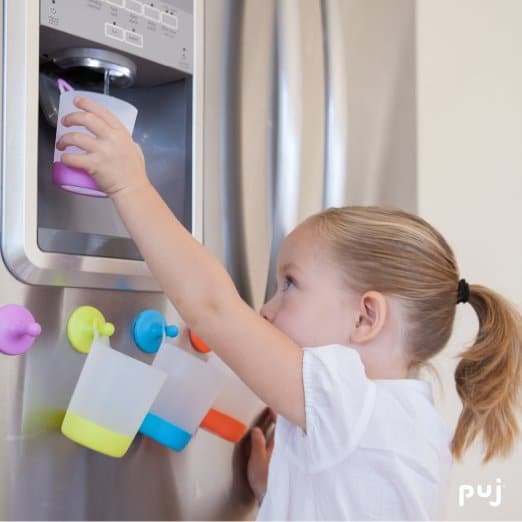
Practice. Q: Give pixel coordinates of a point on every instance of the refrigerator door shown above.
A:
(44, 475)
(308, 104)
(298, 104)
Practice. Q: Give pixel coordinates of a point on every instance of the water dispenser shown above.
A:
(138, 53)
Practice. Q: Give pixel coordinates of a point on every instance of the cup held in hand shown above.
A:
(78, 180)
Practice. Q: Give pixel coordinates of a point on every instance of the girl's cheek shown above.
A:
(280, 320)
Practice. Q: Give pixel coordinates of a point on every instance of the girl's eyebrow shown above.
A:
(289, 267)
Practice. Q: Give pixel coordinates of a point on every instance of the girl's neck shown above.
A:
(384, 359)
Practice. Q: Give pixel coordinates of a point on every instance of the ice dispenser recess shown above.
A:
(158, 116)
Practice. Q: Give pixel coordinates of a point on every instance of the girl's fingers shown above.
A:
(78, 139)
(78, 161)
(88, 105)
(267, 420)
(264, 421)
(88, 120)
(258, 443)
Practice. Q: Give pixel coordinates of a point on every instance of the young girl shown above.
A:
(365, 297)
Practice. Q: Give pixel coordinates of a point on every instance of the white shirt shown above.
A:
(373, 449)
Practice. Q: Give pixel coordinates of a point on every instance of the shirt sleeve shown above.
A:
(339, 400)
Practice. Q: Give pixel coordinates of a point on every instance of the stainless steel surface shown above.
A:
(296, 104)
(371, 101)
(286, 194)
(333, 123)
(120, 69)
(336, 96)
(46, 476)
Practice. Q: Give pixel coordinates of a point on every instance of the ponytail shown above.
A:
(489, 377)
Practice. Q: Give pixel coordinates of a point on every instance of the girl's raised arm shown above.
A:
(268, 361)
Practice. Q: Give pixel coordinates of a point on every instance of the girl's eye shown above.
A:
(289, 282)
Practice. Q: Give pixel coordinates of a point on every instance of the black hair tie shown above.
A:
(463, 292)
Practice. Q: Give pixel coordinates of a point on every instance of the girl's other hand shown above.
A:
(114, 160)
(261, 447)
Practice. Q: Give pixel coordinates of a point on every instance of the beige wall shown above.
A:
(469, 63)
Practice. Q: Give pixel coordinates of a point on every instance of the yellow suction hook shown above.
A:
(82, 324)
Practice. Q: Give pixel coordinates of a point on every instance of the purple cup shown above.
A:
(74, 179)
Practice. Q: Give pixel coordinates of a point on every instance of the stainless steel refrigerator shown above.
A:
(252, 115)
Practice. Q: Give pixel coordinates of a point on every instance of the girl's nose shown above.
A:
(267, 310)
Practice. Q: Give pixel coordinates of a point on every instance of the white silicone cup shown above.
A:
(114, 390)
(123, 110)
(191, 387)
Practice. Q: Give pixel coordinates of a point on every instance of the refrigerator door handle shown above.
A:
(336, 105)
(286, 178)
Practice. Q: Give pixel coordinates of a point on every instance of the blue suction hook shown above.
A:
(148, 329)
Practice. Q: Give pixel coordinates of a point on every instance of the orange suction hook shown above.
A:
(198, 343)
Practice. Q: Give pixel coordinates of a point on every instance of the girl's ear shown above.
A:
(370, 318)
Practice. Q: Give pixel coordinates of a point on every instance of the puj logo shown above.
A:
(467, 491)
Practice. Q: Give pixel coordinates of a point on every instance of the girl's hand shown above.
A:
(114, 160)
(261, 447)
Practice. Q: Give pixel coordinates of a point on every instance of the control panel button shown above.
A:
(116, 3)
(169, 20)
(133, 38)
(134, 6)
(151, 13)
(115, 32)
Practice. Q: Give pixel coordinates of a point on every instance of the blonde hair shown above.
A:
(401, 255)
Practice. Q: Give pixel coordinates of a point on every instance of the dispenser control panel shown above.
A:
(158, 30)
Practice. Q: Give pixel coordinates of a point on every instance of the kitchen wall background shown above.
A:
(469, 121)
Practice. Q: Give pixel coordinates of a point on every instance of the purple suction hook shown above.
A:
(18, 329)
